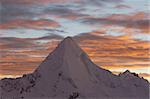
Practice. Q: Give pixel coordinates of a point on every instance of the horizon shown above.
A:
(114, 35)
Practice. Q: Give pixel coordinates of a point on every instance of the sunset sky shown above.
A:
(114, 33)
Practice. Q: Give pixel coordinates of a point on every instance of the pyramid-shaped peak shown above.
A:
(68, 70)
(67, 47)
(68, 40)
(69, 44)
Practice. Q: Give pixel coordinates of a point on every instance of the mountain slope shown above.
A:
(68, 73)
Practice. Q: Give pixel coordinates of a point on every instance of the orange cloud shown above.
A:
(17, 60)
(34, 24)
(138, 21)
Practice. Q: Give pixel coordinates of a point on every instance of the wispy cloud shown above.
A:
(137, 21)
(122, 6)
(33, 24)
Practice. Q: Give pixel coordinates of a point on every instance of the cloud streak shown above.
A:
(33, 24)
(136, 21)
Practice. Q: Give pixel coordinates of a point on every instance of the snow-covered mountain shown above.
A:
(68, 73)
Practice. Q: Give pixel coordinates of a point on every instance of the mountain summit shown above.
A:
(68, 73)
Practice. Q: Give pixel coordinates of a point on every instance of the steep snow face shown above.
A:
(69, 63)
(68, 73)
